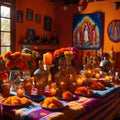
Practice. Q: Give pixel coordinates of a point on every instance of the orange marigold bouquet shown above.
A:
(18, 60)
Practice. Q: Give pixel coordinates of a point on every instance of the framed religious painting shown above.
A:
(114, 30)
(88, 31)
(47, 23)
(29, 14)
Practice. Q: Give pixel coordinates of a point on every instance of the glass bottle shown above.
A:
(71, 72)
(40, 79)
(61, 78)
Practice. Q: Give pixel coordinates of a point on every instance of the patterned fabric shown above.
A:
(84, 108)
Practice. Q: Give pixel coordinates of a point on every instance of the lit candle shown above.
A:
(62, 83)
(79, 81)
(20, 92)
(88, 73)
(53, 91)
(47, 58)
(97, 75)
(107, 78)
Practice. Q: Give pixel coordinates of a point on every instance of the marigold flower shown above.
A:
(3, 76)
(19, 62)
(26, 56)
(25, 66)
(17, 54)
(57, 52)
(7, 54)
(9, 63)
(63, 49)
(1, 58)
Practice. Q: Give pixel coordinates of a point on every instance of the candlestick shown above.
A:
(47, 58)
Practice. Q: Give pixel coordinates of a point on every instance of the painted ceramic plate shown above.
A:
(15, 106)
(114, 30)
(56, 109)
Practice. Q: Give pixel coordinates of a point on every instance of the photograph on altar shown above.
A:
(87, 31)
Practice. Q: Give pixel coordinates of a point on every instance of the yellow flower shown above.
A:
(69, 54)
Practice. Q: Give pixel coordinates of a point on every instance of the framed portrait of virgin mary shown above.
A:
(88, 31)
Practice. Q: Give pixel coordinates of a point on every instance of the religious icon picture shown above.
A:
(87, 31)
(114, 30)
(29, 14)
(47, 23)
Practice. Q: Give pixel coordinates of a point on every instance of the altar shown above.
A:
(104, 105)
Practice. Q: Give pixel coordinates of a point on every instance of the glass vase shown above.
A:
(61, 78)
(26, 74)
(71, 73)
(14, 78)
(40, 78)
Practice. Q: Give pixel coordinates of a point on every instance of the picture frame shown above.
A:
(37, 18)
(114, 30)
(29, 14)
(90, 0)
(19, 16)
(47, 23)
(88, 31)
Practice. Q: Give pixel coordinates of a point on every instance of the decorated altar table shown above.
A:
(105, 105)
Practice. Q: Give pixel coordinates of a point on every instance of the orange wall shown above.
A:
(62, 20)
(43, 7)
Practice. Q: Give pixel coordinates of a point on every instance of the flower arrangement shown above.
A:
(18, 60)
(70, 52)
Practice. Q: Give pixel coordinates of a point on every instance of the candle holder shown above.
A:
(97, 76)
(47, 68)
(80, 80)
(88, 73)
(53, 89)
(40, 78)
